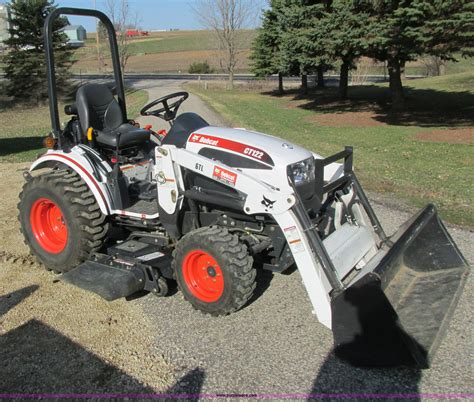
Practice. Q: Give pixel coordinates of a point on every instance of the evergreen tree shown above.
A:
(347, 32)
(266, 59)
(302, 52)
(289, 21)
(315, 38)
(402, 30)
(450, 30)
(286, 43)
(300, 37)
(395, 37)
(25, 69)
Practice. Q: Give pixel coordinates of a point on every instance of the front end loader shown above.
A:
(388, 300)
(120, 210)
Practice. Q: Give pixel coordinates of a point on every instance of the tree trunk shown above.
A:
(442, 68)
(231, 80)
(320, 77)
(396, 86)
(344, 80)
(402, 70)
(280, 84)
(304, 83)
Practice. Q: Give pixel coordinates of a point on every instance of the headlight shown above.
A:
(302, 172)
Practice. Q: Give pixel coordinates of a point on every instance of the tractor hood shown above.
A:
(250, 145)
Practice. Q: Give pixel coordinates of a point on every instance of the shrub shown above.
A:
(200, 68)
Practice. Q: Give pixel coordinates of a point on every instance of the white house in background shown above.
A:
(4, 15)
(77, 35)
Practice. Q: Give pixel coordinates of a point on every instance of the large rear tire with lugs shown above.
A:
(214, 270)
(60, 220)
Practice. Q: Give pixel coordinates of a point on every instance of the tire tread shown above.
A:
(93, 225)
(240, 265)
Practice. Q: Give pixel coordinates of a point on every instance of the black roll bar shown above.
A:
(50, 68)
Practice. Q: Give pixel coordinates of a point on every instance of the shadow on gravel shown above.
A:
(188, 387)
(10, 300)
(35, 358)
(338, 377)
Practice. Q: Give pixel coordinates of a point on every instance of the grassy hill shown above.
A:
(461, 82)
(163, 52)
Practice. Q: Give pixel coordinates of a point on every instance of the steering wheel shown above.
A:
(169, 110)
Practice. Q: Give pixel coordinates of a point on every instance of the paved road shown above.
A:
(275, 345)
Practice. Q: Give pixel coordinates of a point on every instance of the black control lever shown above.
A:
(118, 182)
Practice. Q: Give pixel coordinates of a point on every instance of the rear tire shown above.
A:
(214, 270)
(60, 220)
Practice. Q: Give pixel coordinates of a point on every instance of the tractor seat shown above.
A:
(129, 136)
(98, 108)
(183, 126)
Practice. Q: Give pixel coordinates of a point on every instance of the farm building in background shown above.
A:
(77, 35)
(4, 15)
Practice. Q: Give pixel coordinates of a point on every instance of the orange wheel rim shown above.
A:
(48, 226)
(203, 276)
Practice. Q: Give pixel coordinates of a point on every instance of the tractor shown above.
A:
(121, 210)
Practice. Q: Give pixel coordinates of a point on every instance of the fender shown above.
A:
(77, 161)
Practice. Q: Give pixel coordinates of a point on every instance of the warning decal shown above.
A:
(294, 240)
(224, 176)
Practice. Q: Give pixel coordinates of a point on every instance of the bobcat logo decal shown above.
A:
(268, 204)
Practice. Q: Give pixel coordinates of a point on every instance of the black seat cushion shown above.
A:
(184, 125)
(98, 108)
(129, 136)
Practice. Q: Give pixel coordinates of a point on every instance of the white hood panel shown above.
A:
(257, 146)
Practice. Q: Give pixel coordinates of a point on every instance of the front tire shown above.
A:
(214, 270)
(60, 220)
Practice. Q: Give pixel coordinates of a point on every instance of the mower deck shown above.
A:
(129, 267)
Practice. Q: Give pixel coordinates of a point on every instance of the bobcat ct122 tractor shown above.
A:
(118, 210)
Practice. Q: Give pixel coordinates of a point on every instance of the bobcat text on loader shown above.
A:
(118, 210)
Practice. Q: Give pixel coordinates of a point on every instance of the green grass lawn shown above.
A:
(388, 157)
(24, 127)
(184, 41)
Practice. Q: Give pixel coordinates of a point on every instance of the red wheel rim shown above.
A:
(203, 276)
(48, 226)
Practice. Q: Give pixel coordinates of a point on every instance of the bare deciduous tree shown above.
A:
(435, 65)
(226, 18)
(123, 18)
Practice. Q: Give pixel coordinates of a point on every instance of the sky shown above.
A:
(152, 14)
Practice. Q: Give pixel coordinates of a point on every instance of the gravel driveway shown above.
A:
(275, 345)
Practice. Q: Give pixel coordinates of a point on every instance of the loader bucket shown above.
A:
(397, 313)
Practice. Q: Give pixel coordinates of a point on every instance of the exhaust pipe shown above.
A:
(398, 313)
